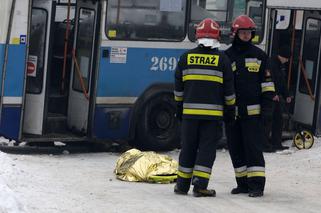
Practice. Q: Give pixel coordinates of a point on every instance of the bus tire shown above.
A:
(157, 128)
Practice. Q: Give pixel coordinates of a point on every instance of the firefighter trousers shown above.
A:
(245, 140)
(273, 126)
(198, 152)
(277, 125)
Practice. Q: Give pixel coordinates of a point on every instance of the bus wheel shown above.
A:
(157, 128)
(303, 139)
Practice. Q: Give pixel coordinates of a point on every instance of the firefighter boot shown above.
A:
(239, 190)
(203, 192)
(256, 193)
(179, 191)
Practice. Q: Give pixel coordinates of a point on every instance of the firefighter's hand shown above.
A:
(276, 98)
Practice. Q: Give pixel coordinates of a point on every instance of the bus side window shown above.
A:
(145, 20)
(216, 10)
(255, 11)
(37, 50)
(310, 54)
(224, 12)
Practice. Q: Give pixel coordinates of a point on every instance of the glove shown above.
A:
(179, 111)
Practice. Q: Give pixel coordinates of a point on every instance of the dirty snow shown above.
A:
(86, 183)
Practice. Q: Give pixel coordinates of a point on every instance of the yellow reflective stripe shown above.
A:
(185, 169)
(256, 174)
(178, 98)
(240, 169)
(230, 102)
(203, 59)
(202, 112)
(253, 109)
(253, 60)
(241, 174)
(233, 66)
(253, 112)
(184, 175)
(202, 106)
(268, 89)
(203, 78)
(203, 72)
(201, 174)
(202, 169)
(253, 66)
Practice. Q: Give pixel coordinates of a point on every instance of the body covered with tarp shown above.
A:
(138, 166)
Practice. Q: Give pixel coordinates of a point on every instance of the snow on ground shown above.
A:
(86, 183)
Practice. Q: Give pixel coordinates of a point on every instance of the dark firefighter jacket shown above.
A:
(204, 84)
(278, 71)
(253, 82)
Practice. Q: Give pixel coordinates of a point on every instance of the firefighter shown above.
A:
(204, 89)
(274, 123)
(254, 91)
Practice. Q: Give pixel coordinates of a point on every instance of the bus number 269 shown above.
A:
(163, 63)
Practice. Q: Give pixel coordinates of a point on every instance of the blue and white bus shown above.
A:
(90, 70)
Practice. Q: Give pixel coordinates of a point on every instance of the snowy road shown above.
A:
(86, 183)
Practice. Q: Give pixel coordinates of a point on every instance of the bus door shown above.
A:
(37, 66)
(83, 65)
(307, 91)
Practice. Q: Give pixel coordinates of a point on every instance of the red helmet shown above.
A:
(243, 22)
(208, 29)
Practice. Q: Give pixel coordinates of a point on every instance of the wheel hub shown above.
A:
(163, 120)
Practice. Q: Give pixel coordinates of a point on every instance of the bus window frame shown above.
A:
(43, 54)
(75, 75)
(302, 84)
(184, 34)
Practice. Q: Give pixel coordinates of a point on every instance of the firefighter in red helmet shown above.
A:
(204, 89)
(254, 91)
(243, 22)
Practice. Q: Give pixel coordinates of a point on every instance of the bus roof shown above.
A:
(297, 4)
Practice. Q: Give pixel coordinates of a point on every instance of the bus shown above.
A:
(298, 24)
(101, 70)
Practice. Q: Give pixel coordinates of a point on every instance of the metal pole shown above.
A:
(66, 48)
(5, 62)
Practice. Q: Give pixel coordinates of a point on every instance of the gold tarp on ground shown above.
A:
(137, 166)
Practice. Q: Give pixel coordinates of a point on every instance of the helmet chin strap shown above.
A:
(241, 45)
(208, 42)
